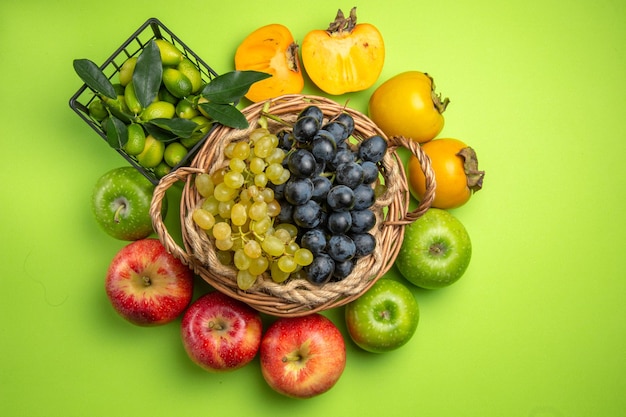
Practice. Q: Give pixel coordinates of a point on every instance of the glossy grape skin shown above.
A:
(347, 120)
(298, 190)
(349, 174)
(362, 220)
(373, 149)
(365, 243)
(320, 270)
(302, 163)
(323, 146)
(342, 156)
(321, 187)
(339, 222)
(340, 198)
(314, 240)
(305, 129)
(370, 172)
(342, 270)
(307, 215)
(338, 130)
(341, 248)
(363, 197)
(286, 212)
(312, 111)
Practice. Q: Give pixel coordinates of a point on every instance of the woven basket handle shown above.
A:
(164, 184)
(425, 165)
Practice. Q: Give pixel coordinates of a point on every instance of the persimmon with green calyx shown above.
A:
(271, 49)
(344, 58)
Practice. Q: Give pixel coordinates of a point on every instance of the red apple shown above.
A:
(220, 333)
(302, 357)
(148, 286)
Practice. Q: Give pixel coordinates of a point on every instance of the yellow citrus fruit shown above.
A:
(170, 55)
(152, 153)
(158, 110)
(136, 139)
(176, 82)
(174, 153)
(126, 70)
(191, 71)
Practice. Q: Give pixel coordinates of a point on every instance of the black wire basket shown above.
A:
(151, 29)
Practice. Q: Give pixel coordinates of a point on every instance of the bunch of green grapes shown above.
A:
(239, 208)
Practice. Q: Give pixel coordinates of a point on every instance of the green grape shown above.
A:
(252, 249)
(258, 133)
(218, 176)
(277, 274)
(237, 165)
(224, 208)
(273, 246)
(286, 264)
(284, 177)
(224, 256)
(237, 243)
(222, 192)
(245, 280)
(204, 185)
(260, 227)
(260, 180)
(291, 228)
(241, 150)
(263, 147)
(241, 260)
(203, 218)
(303, 257)
(273, 208)
(257, 210)
(211, 205)
(257, 165)
(291, 248)
(238, 214)
(253, 191)
(283, 235)
(223, 244)
(228, 150)
(274, 172)
(222, 231)
(267, 194)
(259, 265)
(276, 157)
(234, 180)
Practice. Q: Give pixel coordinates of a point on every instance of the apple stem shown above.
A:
(215, 326)
(116, 216)
(146, 281)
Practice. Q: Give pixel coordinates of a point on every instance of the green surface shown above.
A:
(535, 328)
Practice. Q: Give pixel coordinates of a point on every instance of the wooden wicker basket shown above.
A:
(294, 297)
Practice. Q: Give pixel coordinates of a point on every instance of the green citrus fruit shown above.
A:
(136, 139)
(152, 153)
(162, 169)
(191, 71)
(170, 55)
(165, 95)
(126, 70)
(176, 82)
(97, 110)
(185, 109)
(174, 153)
(131, 100)
(158, 110)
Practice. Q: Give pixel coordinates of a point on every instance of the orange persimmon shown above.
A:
(346, 57)
(271, 49)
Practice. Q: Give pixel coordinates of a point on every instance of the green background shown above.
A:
(535, 328)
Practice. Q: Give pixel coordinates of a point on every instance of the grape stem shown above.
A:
(275, 118)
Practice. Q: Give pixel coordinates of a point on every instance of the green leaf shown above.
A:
(93, 76)
(231, 86)
(147, 74)
(117, 133)
(226, 114)
(182, 128)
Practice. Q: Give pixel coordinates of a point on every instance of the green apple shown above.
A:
(121, 202)
(436, 250)
(384, 318)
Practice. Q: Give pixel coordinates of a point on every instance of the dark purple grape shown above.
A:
(298, 190)
(341, 248)
(340, 198)
(285, 140)
(363, 197)
(302, 163)
(350, 174)
(342, 156)
(339, 222)
(321, 187)
(373, 149)
(347, 120)
(307, 215)
(362, 221)
(370, 172)
(342, 270)
(338, 130)
(305, 128)
(323, 146)
(314, 112)
(320, 270)
(314, 240)
(279, 190)
(286, 212)
(365, 244)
